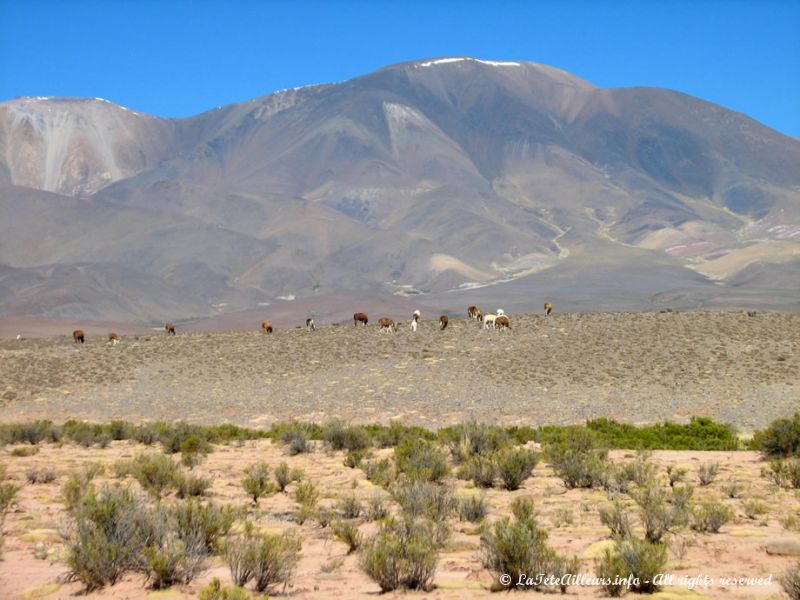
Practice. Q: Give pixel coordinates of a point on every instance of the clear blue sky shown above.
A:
(177, 58)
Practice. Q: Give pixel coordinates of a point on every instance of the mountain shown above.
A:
(455, 180)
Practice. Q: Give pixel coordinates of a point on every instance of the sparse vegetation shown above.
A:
(515, 465)
(473, 508)
(422, 498)
(284, 476)
(40, 475)
(257, 482)
(616, 517)
(267, 560)
(578, 459)
(707, 473)
(631, 564)
(403, 554)
(347, 531)
(420, 459)
(662, 511)
(710, 516)
(215, 591)
(790, 581)
(780, 440)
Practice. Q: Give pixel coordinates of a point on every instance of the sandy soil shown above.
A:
(31, 568)
(635, 367)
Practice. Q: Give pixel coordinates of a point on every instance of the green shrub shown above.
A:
(266, 559)
(423, 498)
(205, 521)
(780, 440)
(578, 459)
(638, 471)
(376, 509)
(215, 591)
(257, 482)
(403, 554)
(471, 439)
(296, 436)
(662, 511)
(156, 473)
(8, 492)
(515, 465)
(170, 560)
(632, 564)
(354, 458)
(754, 508)
(191, 486)
(30, 433)
(380, 472)
(616, 517)
(343, 437)
(40, 475)
(732, 488)
(481, 470)
(790, 581)
(472, 508)
(420, 459)
(347, 532)
(707, 473)
(350, 507)
(676, 474)
(306, 494)
(284, 476)
(107, 536)
(519, 548)
(710, 516)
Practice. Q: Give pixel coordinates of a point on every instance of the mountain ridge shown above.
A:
(441, 176)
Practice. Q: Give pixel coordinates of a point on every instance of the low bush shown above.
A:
(662, 511)
(376, 509)
(676, 474)
(578, 459)
(189, 486)
(284, 476)
(156, 473)
(707, 473)
(515, 465)
(380, 472)
(296, 436)
(347, 532)
(215, 591)
(519, 548)
(631, 564)
(481, 470)
(40, 475)
(471, 439)
(422, 498)
(754, 508)
(354, 458)
(306, 494)
(472, 508)
(420, 459)
(616, 517)
(257, 482)
(790, 581)
(206, 521)
(341, 436)
(780, 440)
(403, 554)
(710, 516)
(268, 560)
(350, 507)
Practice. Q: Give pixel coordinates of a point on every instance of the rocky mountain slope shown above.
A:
(459, 179)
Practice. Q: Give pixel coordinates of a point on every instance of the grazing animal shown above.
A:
(502, 322)
(266, 327)
(548, 308)
(489, 320)
(19, 336)
(500, 312)
(414, 324)
(443, 321)
(751, 313)
(416, 315)
(77, 336)
(170, 328)
(473, 312)
(360, 318)
(386, 324)
(113, 338)
(310, 324)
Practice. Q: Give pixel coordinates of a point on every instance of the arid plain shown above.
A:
(632, 367)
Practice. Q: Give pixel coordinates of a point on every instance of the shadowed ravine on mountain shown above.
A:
(453, 181)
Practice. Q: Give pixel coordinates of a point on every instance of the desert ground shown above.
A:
(566, 368)
(31, 566)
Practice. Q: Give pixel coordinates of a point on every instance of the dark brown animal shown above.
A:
(113, 338)
(548, 308)
(443, 321)
(169, 328)
(77, 336)
(386, 324)
(473, 312)
(502, 322)
(751, 313)
(360, 318)
(266, 327)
